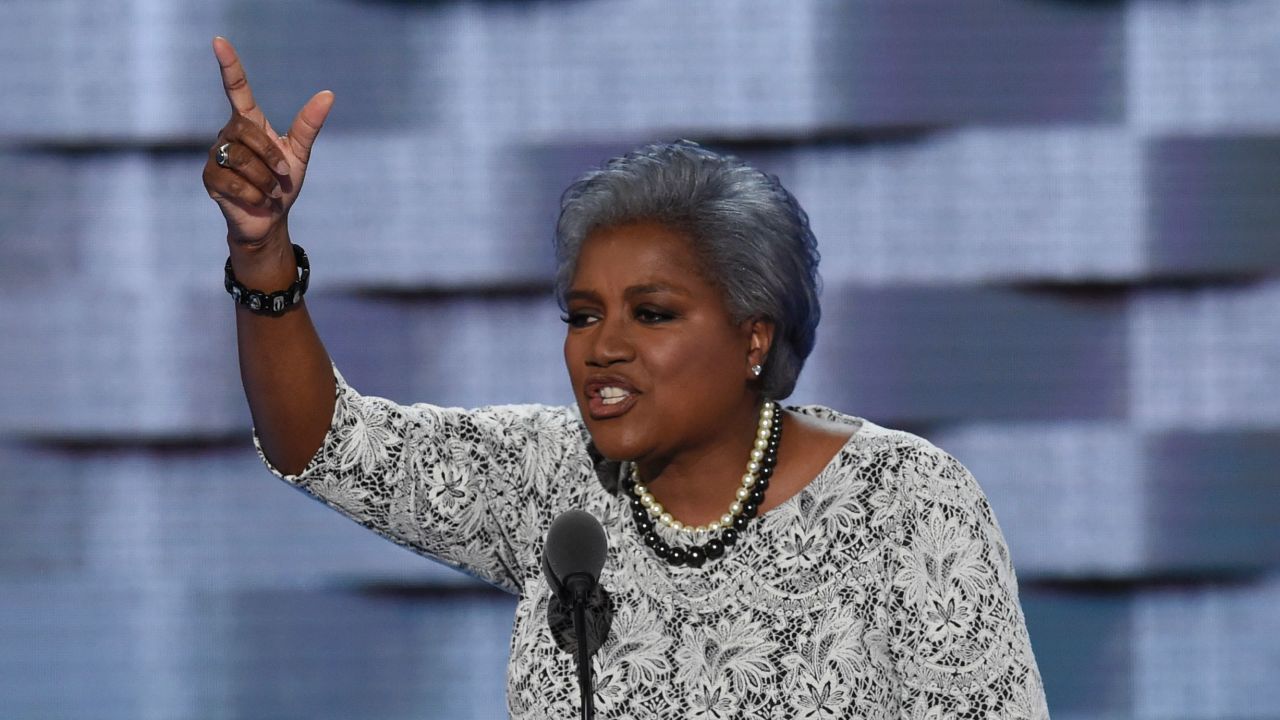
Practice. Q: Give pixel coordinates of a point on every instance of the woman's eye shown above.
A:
(652, 315)
(577, 319)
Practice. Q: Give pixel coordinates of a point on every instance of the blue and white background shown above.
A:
(1050, 243)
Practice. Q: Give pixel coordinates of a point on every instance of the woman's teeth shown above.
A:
(613, 395)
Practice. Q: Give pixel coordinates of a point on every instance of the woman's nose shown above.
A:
(611, 343)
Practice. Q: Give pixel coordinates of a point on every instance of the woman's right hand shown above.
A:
(264, 171)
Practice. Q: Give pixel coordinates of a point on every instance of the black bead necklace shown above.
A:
(646, 511)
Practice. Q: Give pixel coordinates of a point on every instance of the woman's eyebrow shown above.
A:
(584, 295)
(653, 288)
(646, 289)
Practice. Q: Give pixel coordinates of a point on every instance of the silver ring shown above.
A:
(220, 156)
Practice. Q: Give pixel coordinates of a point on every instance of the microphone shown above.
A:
(573, 555)
(572, 559)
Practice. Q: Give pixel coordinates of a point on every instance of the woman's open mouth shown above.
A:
(609, 399)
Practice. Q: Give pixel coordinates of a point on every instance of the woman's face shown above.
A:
(657, 364)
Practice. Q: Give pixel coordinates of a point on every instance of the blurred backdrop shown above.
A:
(1049, 231)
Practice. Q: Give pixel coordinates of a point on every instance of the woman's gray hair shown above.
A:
(749, 232)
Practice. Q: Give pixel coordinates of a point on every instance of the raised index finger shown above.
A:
(233, 78)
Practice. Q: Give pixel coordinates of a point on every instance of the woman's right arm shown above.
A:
(461, 486)
(286, 372)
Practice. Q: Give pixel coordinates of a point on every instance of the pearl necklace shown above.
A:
(646, 510)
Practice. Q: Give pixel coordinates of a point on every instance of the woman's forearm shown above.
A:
(287, 376)
(254, 174)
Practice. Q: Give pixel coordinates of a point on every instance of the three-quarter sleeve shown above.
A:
(957, 634)
(461, 486)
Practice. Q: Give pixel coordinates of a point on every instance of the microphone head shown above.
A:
(576, 545)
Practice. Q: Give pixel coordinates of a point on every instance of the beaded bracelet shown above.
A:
(273, 303)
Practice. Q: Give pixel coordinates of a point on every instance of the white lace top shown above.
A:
(882, 590)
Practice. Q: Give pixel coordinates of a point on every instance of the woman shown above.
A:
(763, 562)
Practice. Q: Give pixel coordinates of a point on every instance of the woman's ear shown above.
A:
(761, 340)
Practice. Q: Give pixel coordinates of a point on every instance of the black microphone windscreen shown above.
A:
(576, 543)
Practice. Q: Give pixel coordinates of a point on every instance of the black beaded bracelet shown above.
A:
(274, 303)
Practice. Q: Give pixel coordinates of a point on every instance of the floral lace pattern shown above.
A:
(884, 589)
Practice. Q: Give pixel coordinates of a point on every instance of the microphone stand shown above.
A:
(579, 588)
(572, 558)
